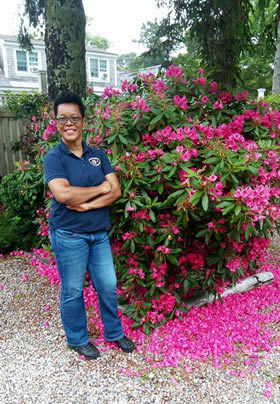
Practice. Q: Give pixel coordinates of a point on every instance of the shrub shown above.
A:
(25, 104)
(273, 100)
(21, 193)
(16, 233)
(199, 170)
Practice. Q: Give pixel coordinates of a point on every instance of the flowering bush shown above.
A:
(199, 170)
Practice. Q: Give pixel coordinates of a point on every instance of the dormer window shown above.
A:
(27, 61)
(99, 69)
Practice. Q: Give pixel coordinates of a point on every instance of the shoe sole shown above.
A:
(86, 356)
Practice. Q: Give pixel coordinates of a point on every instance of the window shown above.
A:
(27, 61)
(33, 61)
(21, 61)
(99, 69)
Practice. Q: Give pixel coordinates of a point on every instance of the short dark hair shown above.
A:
(69, 98)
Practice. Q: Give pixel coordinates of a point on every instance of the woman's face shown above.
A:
(70, 123)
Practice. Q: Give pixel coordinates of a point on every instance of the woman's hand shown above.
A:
(83, 207)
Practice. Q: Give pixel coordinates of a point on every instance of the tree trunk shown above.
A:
(276, 73)
(65, 47)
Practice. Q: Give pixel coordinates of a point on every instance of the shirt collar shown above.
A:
(64, 148)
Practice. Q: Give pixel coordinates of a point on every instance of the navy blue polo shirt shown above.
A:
(87, 171)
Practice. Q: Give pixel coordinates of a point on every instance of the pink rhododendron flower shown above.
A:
(218, 105)
(233, 264)
(25, 278)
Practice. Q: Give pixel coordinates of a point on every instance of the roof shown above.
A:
(13, 38)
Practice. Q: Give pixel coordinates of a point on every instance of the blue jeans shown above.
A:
(74, 254)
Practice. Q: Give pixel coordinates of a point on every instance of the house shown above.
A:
(26, 70)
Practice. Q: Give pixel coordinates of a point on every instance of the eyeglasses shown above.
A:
(72, 119)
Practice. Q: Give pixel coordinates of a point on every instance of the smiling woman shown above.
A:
(83, 185)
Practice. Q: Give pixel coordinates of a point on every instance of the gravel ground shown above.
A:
(37, 367)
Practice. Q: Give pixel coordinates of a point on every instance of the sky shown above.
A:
(119, 21)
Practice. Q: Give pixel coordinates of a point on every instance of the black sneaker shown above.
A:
(89, 351)
(125, 344)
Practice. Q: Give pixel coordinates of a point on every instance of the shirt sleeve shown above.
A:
(106, 165)
(53, 167)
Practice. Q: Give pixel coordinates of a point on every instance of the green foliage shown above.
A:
(22, 191)
(221, 29)
(98, 41)
(17, 234)
(273, 100)
(25, 104)
(180, 222)
(21, 194)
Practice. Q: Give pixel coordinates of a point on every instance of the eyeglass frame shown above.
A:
(77, 119)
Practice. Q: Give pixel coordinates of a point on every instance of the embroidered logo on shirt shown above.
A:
(95, 161)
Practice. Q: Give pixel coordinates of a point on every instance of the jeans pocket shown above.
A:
(65, 233)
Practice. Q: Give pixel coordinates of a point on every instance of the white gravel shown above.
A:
(36, 366)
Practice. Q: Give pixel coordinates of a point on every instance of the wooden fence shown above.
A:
(10, 129)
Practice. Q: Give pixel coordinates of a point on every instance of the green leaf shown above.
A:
(156, 119)
(228, 209)
(186, 286)
(211, 160)
(132, 246)
(253, 170)
(122, 139)
(160, 188)
(152, 216)
(201, 233)
(195, 198)
(205, 202)
(152, 290)
(237, 210)
(173, 260)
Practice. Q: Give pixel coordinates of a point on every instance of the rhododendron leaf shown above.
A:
(185, 166)
(253, 170)
(237, 210)
(152, 216)
(111, 139)
(248, 231)
(205, 202)
(201, 232)
(160, 188)
(185, 220)
(155, 120)
(208, 237)
(195, 198)
(268, 222)
(213, 259)
(172, 259)
(191, 173)
(150, 241)
(234, 178)
(146, 329)
(195, 217)
(122, 139)
(228, 209)
(186, 286)
(211, 160)
(132, 246)
(152, 290)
